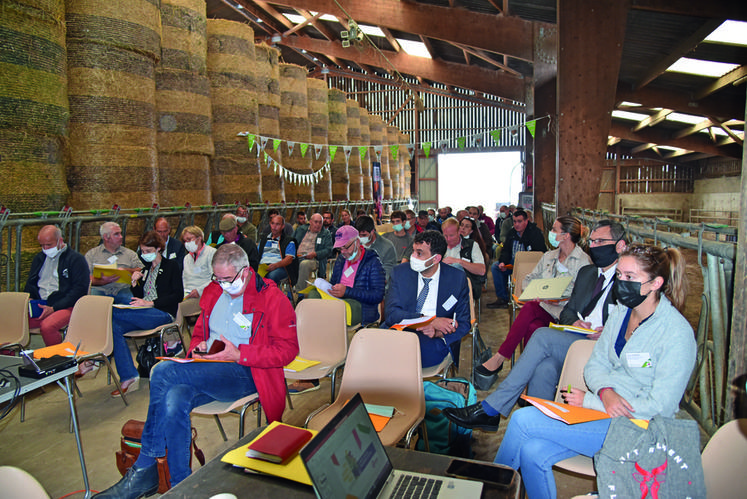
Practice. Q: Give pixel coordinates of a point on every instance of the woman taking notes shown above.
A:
(639, 369)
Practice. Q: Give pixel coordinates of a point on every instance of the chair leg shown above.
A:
(220, 428)
(23, 408)
(116, 380)
(259, 414)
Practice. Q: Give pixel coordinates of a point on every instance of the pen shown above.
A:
(580, 317)
(76, 349)
(453, 321)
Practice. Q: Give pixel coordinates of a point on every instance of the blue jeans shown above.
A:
(176, 389)
(500, 279)
(125, 320)
(123, 296)
(533, 443)
(277, 275)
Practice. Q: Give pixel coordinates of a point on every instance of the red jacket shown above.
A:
(273, 344)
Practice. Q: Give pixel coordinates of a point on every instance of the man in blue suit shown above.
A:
(425, 288)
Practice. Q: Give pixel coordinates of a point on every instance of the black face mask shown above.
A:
(603, 256)
(629, 292)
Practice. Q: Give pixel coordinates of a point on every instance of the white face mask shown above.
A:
(365, 241)
(51, 252)
(240, 220)
(419, 265)
(233, 288)
(191, 246)
(503, 214)
(149, 257)
(407, 225)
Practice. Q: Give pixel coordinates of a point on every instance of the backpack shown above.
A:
(662, 461)
(146, 356)
(444, 437)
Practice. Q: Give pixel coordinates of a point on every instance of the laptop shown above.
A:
(552, 288)
(346, 459)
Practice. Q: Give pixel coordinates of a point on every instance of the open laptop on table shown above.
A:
(347, 459)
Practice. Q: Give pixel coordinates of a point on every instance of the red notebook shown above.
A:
(279, 444)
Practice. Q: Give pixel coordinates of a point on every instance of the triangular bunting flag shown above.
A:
(444, 144)
(394, 150)
(262, 144)
(378, 150)
(426, 148)
(318, 150)
(250, 140)
(496, 134)
(275, 144)
(332, 152)
(348, 150)
(362, 150)
(304, 147)
(461, 142)
(531, 126)
(411, 149)
(291, 145)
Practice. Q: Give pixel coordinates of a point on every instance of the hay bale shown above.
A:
(318, 99)
(354, 139)
(379, 138)
(184, 35)
(295, 126)
(34, 107)
(338, 136)
(392, 136)
(235, 173)
(184, 112)
(184, 178)
(267, 71)
(366, 160)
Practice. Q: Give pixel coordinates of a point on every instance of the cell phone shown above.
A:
(199, 352)
(496, 475)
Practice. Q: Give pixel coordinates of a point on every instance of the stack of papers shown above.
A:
(572, 329)
(380, 415)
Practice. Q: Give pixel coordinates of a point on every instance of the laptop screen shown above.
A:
(346, 459)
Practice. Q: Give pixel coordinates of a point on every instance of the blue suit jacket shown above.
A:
(400, 305)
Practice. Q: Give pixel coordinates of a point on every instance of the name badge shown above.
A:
(112, 259)
(349, 272)
(242, 321)
(318, 240)
(449, 303)
(639, 359)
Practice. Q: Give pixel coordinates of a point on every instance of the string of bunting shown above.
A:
(260, 143)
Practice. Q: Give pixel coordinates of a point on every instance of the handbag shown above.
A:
(146, 356)
(132, 432)
(662, 461)
(480, 354)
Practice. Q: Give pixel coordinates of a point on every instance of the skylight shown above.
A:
(730, 32)
(701, 68)
(627, 115)
(629, 104)
(371, 30)
(414, 48)
(685, 118)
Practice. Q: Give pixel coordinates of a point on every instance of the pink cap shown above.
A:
(344, 235)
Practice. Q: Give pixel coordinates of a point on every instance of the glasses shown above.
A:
(216, 280)
(597, 242)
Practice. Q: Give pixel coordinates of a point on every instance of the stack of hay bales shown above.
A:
(295, 127)
(33, 105)
(354, 139)
(392, 135)
(378, 139)
(319, 120)
(185, 141)
(234, 170)
(267, 72)
(338, 135)
(405, 165)
(113, 48)
(366, 160)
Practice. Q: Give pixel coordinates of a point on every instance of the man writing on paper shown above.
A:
(258, 327)
(426, 287)
(58, 276)
(539, 366)
(111, 252)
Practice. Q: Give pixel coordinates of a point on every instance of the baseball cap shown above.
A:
(344, 234)
(227, 224)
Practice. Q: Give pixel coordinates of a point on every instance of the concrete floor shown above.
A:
(43, 446)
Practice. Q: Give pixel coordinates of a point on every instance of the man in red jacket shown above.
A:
(257, 325)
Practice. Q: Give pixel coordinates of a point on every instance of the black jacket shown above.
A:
(168, 286)
(249, 248)
(73, 277)
(586, 280)
(532, 240)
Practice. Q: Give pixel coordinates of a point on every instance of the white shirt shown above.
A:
(431, 301)
(596, 316)
(197, 274)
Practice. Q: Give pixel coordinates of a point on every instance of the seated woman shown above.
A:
(567, 259)
(468, 230)
(158, 289)
(645, 328)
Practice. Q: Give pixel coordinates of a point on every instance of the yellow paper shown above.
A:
(299, 364)
(262, 269)
(327, 296)
(572, 329)
(294, 469)
(66, 349)
(123, 275)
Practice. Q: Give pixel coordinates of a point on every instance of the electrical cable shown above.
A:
(7, 376)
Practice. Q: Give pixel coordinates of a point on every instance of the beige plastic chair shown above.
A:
(215, 408)
(190, 307)
(384, 367)
(524, 263)
(723, 461)
(161, 331)
(18, 484)
(14, 310)
(573, 374)
(91, 324)
(322, 336)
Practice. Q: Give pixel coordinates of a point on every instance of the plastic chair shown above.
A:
(216, 407)
(190, 307)
(322, 336)
(14, 309)
(723, 461)
(161, 331)
(573, 374)
(384, 367)
(524, 263)
(18, 484)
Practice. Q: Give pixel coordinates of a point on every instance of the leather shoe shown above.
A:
(486, 372)
(472, 416)
(135, 484)
(499, 303)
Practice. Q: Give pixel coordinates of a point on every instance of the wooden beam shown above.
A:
(732, 77)
(448, 73)
(691, 143)
(390, 38)
(481, 54)
(726, 9)
(302, 25)
(737, 139)
(510, 35)
(692, 129)
(428, 46)
(652, 120)
(642, 147)
(723, 108)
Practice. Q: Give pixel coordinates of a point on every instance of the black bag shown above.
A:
(146, 356)
(480, 354)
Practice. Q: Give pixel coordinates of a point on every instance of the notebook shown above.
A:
(347, 459)
(546, 289)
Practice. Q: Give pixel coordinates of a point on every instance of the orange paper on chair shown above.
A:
(66, 349)
(413, 324)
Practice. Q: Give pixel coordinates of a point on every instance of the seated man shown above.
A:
(399, 237)
(174, 249)
(287, 228)
(370, 239)
(257, 346)
(485, 232)
(328, 224)
(485, 219)
(539, 366)
(245, 226)
(524, 236)
(110, 252)
(426, 288)
(464, 254)
(425, 222)
(59, 276)
(300, 220)
(278, 252)
(314, 247)
(411, 224)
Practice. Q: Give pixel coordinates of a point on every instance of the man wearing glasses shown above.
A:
(257, 326)
(539, 366)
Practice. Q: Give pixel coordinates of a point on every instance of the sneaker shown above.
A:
(300, 387)
(174, 350)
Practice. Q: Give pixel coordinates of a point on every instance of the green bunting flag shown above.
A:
(275, 144)
(394, 149)
(427, 148)
(362, 150)
(496, 134)
(461, 142)
(531, 126)
(304, 147)
(332, 152)
(250, 140)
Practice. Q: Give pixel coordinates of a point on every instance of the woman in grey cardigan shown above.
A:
(639, 369)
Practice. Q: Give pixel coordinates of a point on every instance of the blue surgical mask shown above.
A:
(552, 238)
(149, 257)
(407, 225)
(397, 227)
(353, 256)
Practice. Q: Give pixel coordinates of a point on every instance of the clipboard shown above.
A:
(546, 289)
